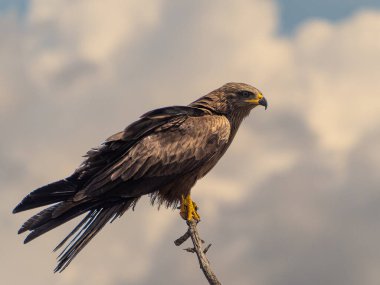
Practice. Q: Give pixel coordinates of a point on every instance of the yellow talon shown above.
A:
(189, 209)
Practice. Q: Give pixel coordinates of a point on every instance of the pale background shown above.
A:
(296, 199)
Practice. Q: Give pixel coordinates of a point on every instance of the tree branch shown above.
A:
(201, 253)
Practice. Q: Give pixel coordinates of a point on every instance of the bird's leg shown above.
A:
(188, 209)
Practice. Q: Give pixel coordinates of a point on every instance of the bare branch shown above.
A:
(201, 253)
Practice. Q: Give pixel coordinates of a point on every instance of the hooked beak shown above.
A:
(263, 102)
(260, 100)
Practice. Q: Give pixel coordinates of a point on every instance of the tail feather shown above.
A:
(64, 208)
(86, 230)
(99, 214)
(81, 225)
(44, 221)
(52, 193)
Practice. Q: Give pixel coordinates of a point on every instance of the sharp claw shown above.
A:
(188, 209)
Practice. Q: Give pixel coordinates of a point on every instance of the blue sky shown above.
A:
(292, 12)
(17, 5)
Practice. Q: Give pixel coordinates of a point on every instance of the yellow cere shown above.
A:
(256, 101)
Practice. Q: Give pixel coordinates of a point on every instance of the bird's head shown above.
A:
(243, 96)
(231, 99)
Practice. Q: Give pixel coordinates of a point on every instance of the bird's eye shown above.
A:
(245, 94)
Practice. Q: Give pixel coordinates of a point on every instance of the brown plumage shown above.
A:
(162, 154)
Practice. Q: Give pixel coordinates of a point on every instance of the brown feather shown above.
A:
(162, 155)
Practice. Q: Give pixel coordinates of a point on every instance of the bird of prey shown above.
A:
(162, 155)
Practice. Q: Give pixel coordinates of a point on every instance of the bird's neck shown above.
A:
(235, 119)
(211, 103)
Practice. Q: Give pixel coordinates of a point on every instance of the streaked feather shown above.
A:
(162, 154)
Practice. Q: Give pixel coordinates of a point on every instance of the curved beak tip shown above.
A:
(263, 102)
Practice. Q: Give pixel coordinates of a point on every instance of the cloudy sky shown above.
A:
(295, 200)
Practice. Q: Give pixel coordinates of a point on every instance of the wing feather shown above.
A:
(100, 162)
(168, 151)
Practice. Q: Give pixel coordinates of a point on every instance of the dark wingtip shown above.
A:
(30, 237)
(23, 205)
(21, 230)
(17, 209)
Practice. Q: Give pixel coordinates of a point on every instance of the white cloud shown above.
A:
(94, 30)
(340, 66)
